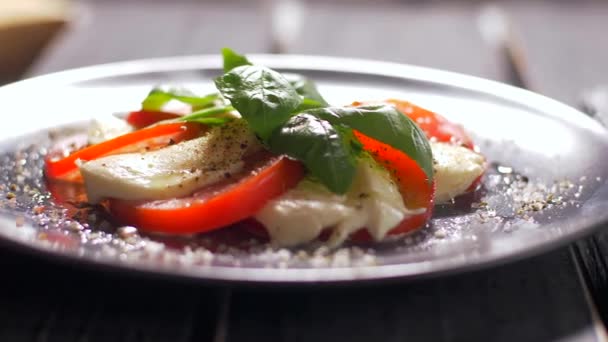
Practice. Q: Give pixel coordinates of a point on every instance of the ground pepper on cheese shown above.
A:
(456, 168)
(174, 171)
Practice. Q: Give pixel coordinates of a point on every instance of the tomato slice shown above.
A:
(144, 118)
(216, 206)
(438, 128)
(435, 126)
(413, 185)
(65, 168)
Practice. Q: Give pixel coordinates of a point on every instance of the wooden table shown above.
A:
(540, 299)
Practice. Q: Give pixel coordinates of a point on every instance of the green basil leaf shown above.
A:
(206, 113)
(212, 121)
(158, 97)
(308, 104)
(386, 124)
(233, 59)
(262, 96)
(307, 88)
(325, 151)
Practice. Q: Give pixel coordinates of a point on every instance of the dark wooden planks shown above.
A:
(44, 301)
(503, 304)
(592, 254)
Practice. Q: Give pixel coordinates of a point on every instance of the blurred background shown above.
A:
(555, 47)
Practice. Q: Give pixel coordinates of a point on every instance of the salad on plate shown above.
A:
(267, 152)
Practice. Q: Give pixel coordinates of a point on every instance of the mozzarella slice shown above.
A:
(106, 129)
(456, 168)
(174, 171)
(373, 202)
(302, 213)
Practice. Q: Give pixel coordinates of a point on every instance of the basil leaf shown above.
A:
(386, 124)
(262, 96)
(233, 59)
(206, 113)
(308, 104)
(307, 88)
(158, 97)
(212, 121)
(325, 151)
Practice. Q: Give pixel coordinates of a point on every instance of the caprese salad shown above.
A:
(269, 152)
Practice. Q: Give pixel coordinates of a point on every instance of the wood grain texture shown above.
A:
(526, 301)
(44, 301)
(592, 255)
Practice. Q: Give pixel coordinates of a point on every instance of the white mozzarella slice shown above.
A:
(106, 129)
(302, 213)
(173, 171)
(456, 168)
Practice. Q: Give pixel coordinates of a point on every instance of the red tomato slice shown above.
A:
(437, 127)
(413, 184)
(59, 167)
(216, 206)
(434, 125)
(142, 118)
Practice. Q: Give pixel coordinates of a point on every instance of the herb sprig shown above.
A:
(290, 117)
(159, 97)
